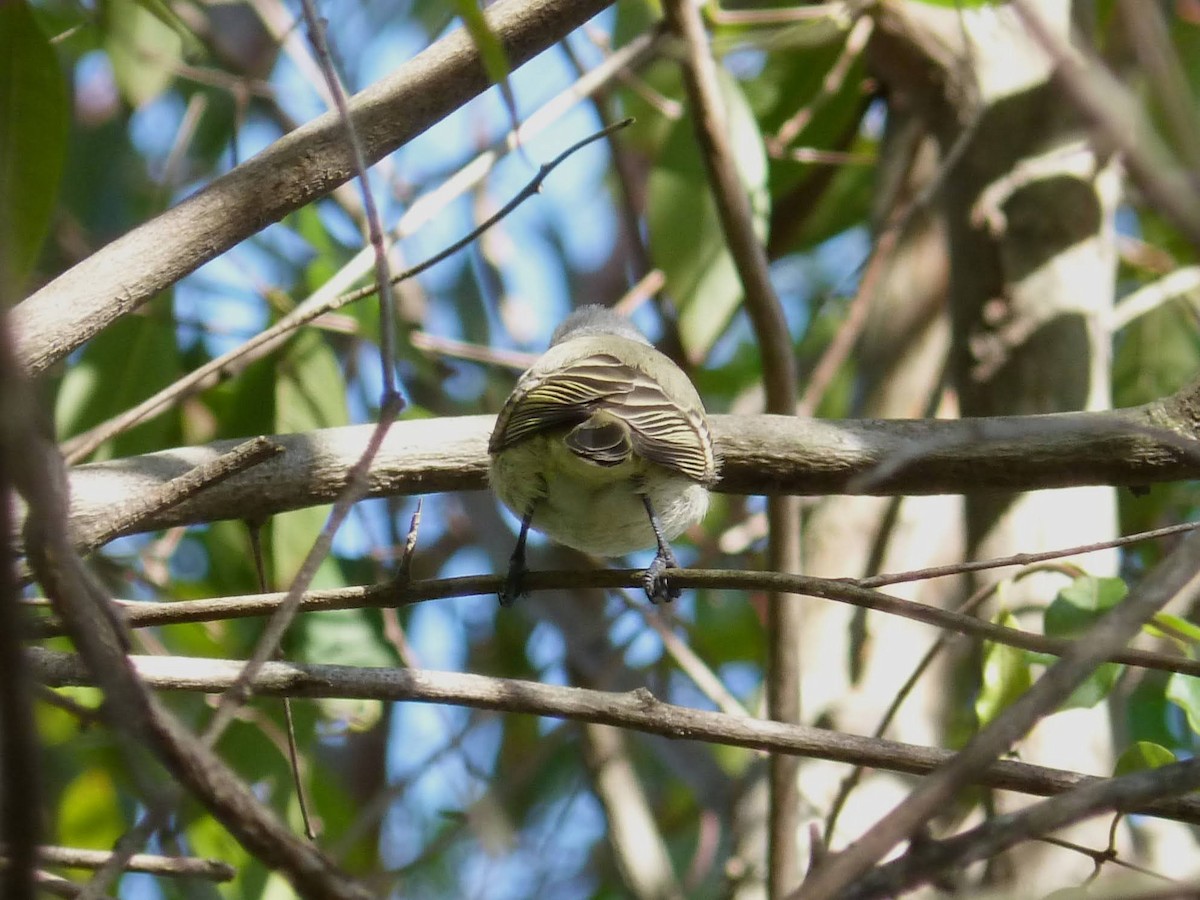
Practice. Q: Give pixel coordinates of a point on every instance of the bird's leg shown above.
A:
(513, 586)
(658, 588)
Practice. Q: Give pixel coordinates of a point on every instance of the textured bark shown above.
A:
(1029, 211)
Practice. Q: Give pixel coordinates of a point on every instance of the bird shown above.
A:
(604, 446)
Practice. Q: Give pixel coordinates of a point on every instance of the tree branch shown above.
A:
(139, 614)
(151, 863)
(638, 710)
(1176, 578)
(925, 860)
(711, 125)
(762, 455)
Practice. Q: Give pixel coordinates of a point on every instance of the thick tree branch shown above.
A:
(295, 170)
(638, 710)
(762, 455)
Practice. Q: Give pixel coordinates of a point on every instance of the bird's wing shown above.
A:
(601, 383)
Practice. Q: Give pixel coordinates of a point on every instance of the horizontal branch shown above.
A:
(151, 863)
(391, 595)
(762, 455)
(638, 710)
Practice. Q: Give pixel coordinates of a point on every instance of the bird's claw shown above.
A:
(655, 582)
(514, 583)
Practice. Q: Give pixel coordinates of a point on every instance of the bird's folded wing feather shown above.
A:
(661, 431)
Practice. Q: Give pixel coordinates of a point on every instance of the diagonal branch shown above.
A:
(295, 170)
(996, 835)
(93, 624)
(1176, 578)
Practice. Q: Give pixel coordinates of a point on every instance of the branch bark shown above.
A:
(638, 710)
(762, 455)
(996, 835)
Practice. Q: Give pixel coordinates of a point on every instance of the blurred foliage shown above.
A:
(449, 802)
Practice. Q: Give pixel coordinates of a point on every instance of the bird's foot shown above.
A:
(655, 582)
(514, 583)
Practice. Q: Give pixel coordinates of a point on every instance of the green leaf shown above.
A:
(127, 362)
(1081, 603)
(1184, 692)
(310, 393)
(145, 51)
(89, 811)
(1006, 675)
(1141, 756)
(1095, 688)
(34, 122)
(1155, 355)
(1076, 608)
(1179, 630)
(686, 239)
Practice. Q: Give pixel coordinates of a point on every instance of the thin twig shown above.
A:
(383, 277)
(175, 491)
(141, 615)
(154, 864)
(319, 304)
(295, 170)
(639, 710)
(1021, 559)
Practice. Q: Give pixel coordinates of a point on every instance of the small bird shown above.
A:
(604, 446)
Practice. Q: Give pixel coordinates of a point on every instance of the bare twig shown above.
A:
(1178, 283)
(835, 77)
(397, 594)
(1021, 559)
(125, 517)
(132, 711)
(639, 710)
(383, 278)
(154, 864)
